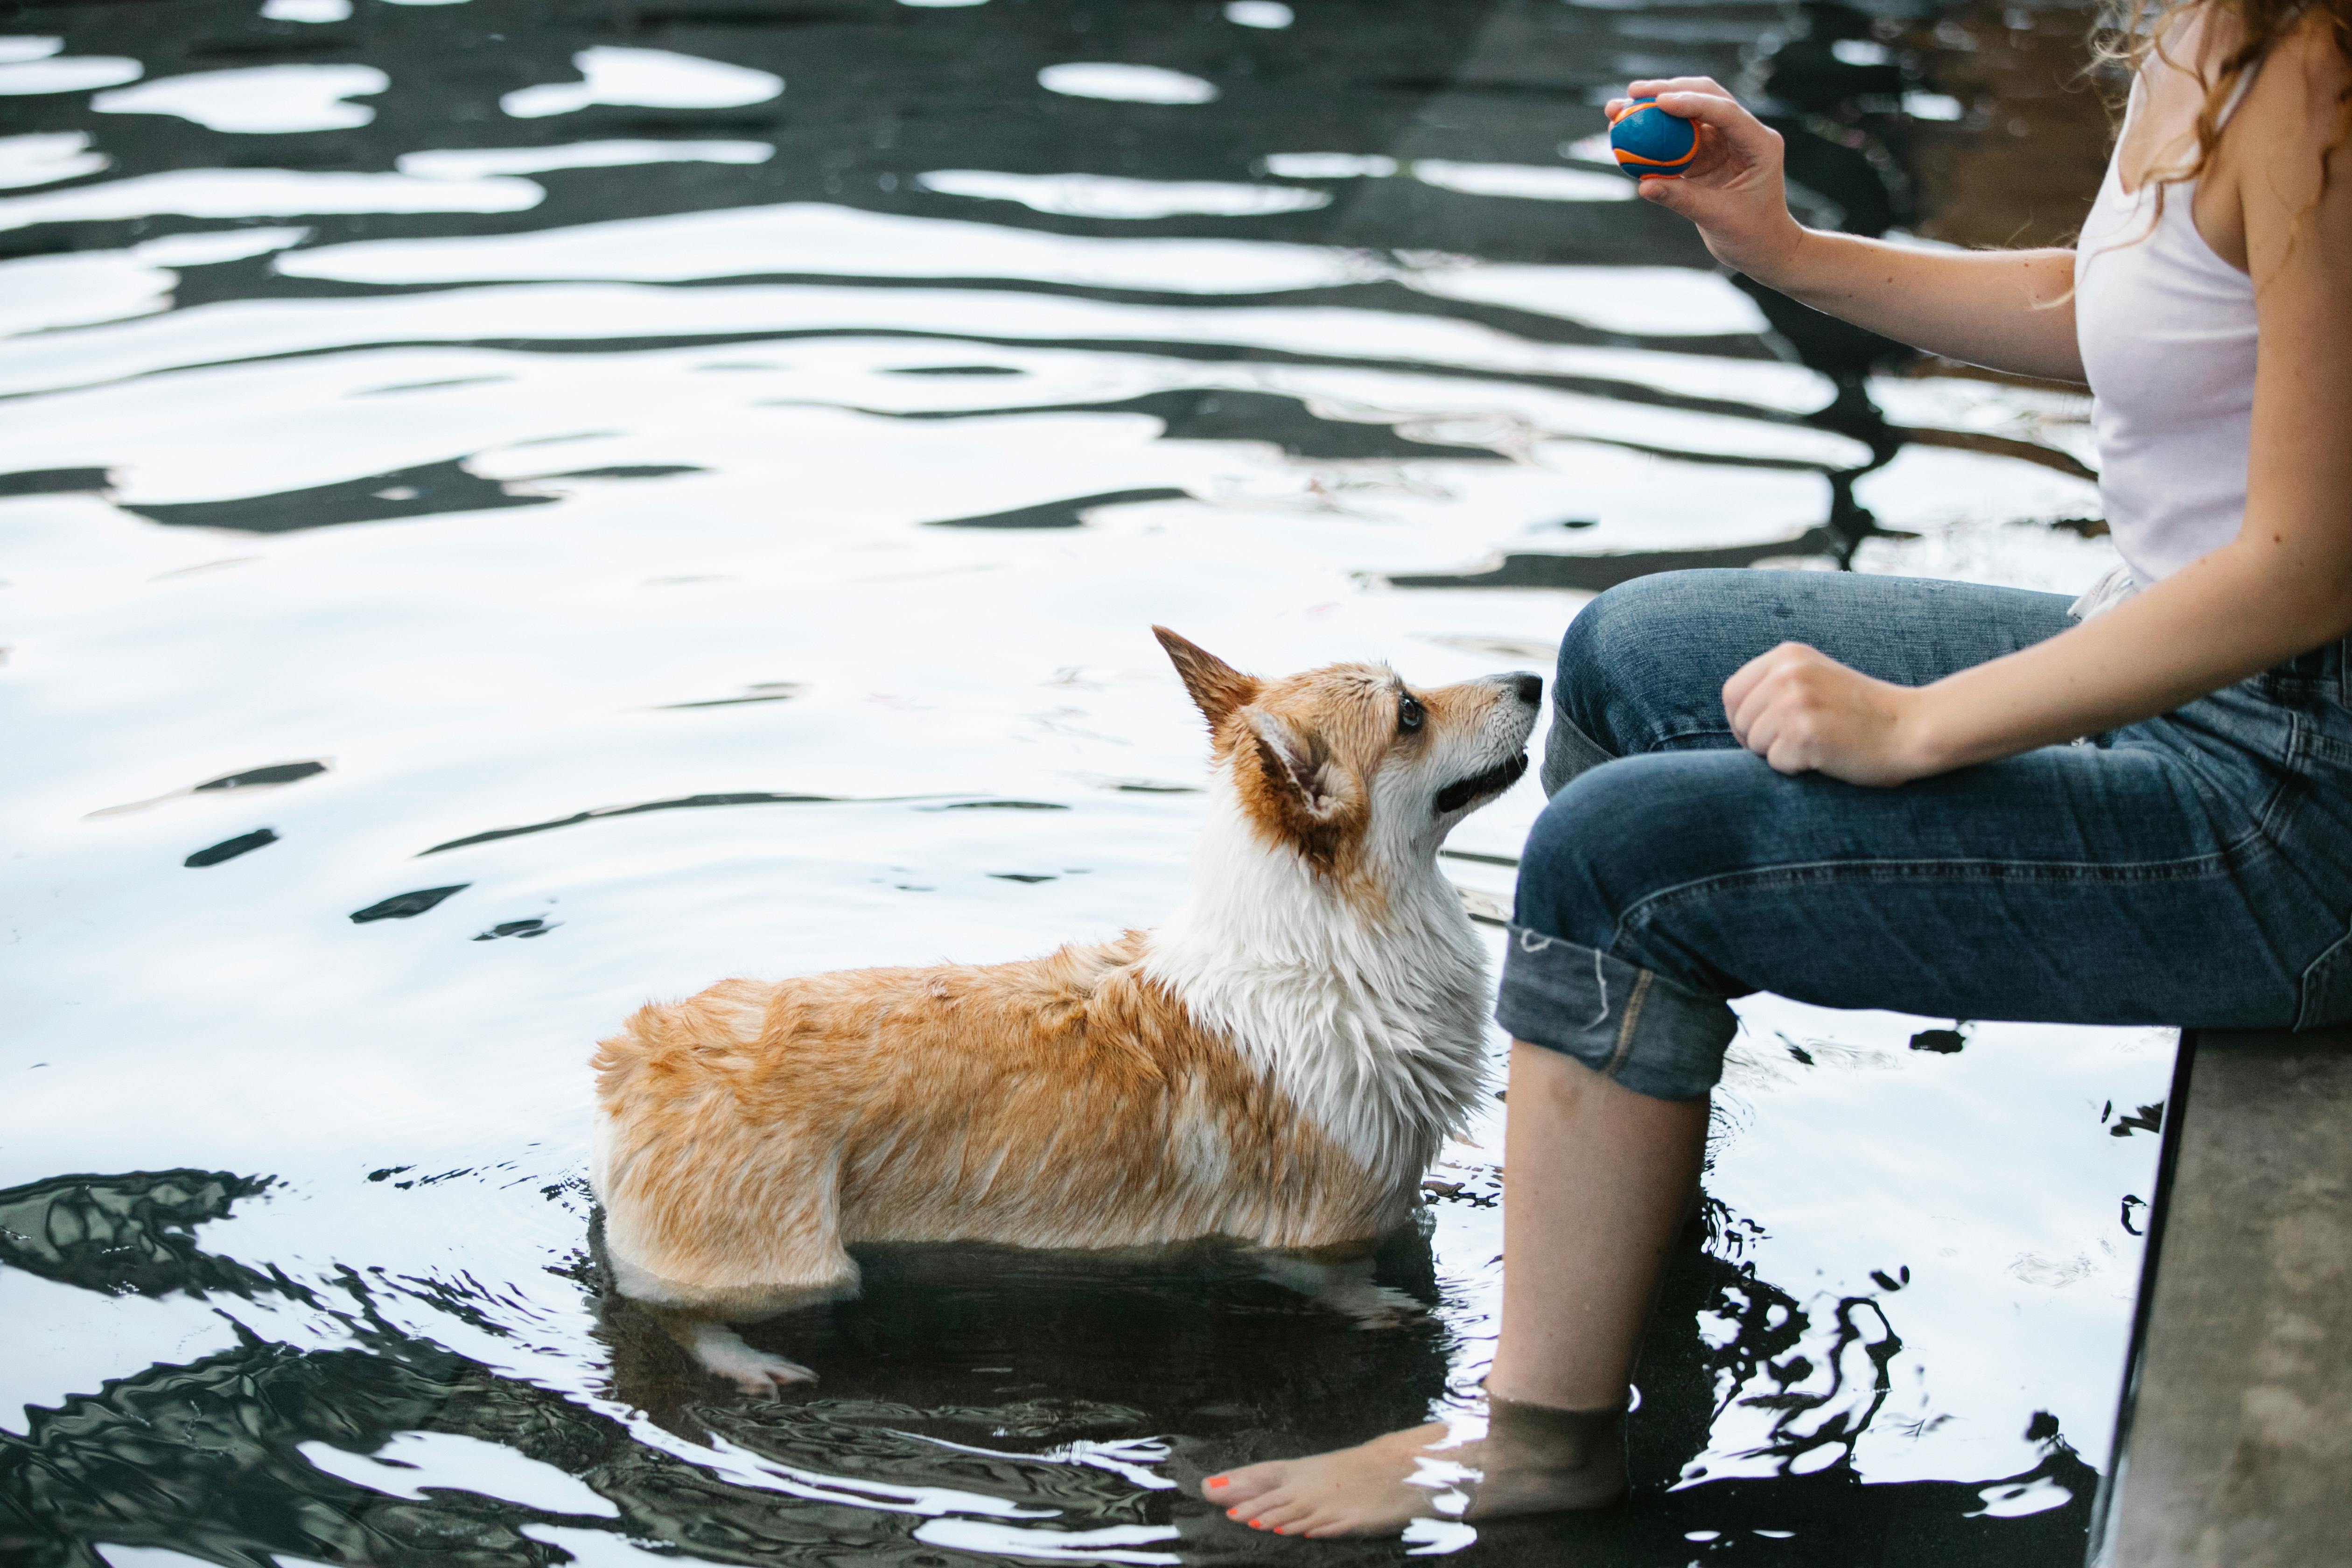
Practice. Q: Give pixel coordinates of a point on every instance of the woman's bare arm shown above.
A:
(2009, 310)
(2282, 587)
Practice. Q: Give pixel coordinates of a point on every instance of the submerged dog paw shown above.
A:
(771, 1376)
(1345, 1286)
(721, 1349)
(1384, 1307)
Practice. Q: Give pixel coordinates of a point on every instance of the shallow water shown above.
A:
(507, 514)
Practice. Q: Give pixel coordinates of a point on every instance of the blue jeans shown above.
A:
(2193, 869)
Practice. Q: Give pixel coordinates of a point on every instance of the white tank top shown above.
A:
(2166, 332)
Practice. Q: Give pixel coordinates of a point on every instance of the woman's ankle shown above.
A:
(1522, 1434)
(1537, 1458)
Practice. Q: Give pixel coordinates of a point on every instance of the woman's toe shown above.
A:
(1280, 1513)
(1237, 1487)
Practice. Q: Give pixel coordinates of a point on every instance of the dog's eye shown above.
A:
(1410, 714)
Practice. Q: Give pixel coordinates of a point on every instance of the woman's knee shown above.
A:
(1600, 653)
(1565, 868)
(1605, 848)
(1633, 670)
(1605, 841)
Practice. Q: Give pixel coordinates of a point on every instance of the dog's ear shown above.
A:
(1298, 770)
(1217, 688)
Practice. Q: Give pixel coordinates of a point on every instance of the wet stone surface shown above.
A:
(703, 476)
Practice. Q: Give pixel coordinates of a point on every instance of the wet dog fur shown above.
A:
(1277, 1063)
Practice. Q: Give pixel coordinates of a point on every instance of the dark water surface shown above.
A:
(509, 510)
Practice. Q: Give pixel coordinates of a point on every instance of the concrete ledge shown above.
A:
(2234, 1446)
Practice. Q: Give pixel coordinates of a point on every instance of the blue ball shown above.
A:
(1649, 140)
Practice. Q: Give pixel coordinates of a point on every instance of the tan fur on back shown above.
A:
(1062, 1101)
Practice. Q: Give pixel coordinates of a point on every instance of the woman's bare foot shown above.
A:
(1533, 1460)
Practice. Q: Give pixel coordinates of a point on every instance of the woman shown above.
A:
(1859, 792)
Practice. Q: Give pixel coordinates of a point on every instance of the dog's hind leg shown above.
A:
(697, 1314)
(729, 1257)
(718, 1349)
(704, 1330)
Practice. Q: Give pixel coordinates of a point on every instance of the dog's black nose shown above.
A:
(1529, 686)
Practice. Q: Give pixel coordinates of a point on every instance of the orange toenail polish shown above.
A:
(1257, 1524)
(1232, 1513)
(1216, 1480)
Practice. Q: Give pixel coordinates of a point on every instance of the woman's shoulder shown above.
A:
(2287, 152)
(2295, 115)
(2310, 62)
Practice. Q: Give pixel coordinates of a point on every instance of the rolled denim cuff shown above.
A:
(1567, 751)
(1655, 1037)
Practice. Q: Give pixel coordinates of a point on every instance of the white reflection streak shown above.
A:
(203, 250)
(1330, 165)
(1933, 106)
(30, 75)
(1110, 197)
(1124, 83)
(1515, 413)
(644, 78)
(256, 101)
(42, 292)
(1259, 13)
(1594, 149)
(1126, 1457)
(312, 11)
(1527, 181)
(227, 334)
(42, 158)
(115, 1554)
(1438, 1537)
(1650, 302)
(735, 1463)
(408, 1462)
(265, 192)
(1113, 1543)
(2016, 1499)
(471, 162)
(817, 238)
(1524, 181)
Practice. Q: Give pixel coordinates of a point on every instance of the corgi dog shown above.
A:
(1277, 1064)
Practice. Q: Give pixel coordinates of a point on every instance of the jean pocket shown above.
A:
(2318, 673)
(2325, 741)
(2327, 987)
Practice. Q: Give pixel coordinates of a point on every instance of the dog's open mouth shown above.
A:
(1478, 787)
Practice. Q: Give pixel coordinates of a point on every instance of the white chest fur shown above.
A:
(1368, 1013)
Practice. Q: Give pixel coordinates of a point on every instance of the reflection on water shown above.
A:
(691, 485)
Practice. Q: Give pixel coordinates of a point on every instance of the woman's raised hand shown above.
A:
(1733, 189)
